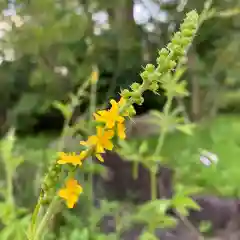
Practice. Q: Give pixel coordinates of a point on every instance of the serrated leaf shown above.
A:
(186, 128)
(186, 191)
(182, 204)
(168, 221)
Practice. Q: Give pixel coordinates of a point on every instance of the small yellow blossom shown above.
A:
(72, 158)
(94, 76)
(109, 117)
(100, 141)
(71, 192)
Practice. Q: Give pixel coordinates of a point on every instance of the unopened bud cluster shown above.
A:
(168, 58)
(50, 182)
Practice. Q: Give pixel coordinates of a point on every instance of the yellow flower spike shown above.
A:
(110, 117)
(72, 158)
(71, 192)
(100, 141)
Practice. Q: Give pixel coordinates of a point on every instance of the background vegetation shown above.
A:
(48, 50)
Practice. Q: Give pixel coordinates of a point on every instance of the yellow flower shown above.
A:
(100, 142)
(72, 158)
(109, 117)
(71, 192)
(121, 130)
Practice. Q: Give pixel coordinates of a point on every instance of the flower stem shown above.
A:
(92, 109)
(153, 185)
(159, 146)
(45, 220)
(135, 170)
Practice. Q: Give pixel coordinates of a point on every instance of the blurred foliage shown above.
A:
(48, 49)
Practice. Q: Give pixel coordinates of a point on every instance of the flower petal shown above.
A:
(63, 193)
(71, 201)
(114, 107)
(205, 160)
(99, 157)
(100, 131)
(121, 131)
(99, 148)
(108, 134)
(71, 183)
(107, 144)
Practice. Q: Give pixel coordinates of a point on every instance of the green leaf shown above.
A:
(186, 128)
(168, 222)
(205, 226)
(183, 204)
(157, 114)
(182, 190)
(143, 147)
(147, 235)
(64, 109)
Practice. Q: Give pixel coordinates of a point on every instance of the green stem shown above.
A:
(10, 198)
(153, 185)
(45, 220)
(92, 109)
(158, 149)
(162, 135)
(118, 226)
(135, 170)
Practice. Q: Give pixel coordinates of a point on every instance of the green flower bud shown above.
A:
(135, 86)
(187, 33)
(163, 52)
(172, 64)
(177, 39)
(139, 100)
(135, 94)
(125, 93)
(144, 75)
(154, 87)
(188, 25)
(185, 41)
(131, 111)
(150, 68)
(161, 60)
